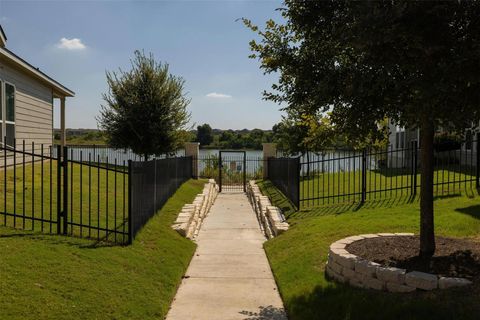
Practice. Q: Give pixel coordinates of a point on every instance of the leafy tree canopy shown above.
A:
(204, 134)
(304, 132)
(365, 61)
(413, 62)
(146, 108)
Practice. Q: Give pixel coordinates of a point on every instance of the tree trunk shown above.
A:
(427, 235)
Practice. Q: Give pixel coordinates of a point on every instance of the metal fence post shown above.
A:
(267, 163)
(415, 167)
(244, 171)
(364, 176)
(130, 211)
(59, 189)
(299, 168)
(65, 190)
(220, 171)
(155, 185)
(478, 161)
(192, 162)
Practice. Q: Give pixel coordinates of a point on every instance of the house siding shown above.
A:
(33, 108)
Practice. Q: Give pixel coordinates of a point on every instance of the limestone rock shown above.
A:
(447, 282)
(421, 280)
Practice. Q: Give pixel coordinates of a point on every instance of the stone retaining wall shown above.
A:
(271, 220)
(191, 217)
(345, 267)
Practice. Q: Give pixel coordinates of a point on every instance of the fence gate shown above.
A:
(232, 171)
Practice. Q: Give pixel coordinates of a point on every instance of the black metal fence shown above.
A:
(95, 203)
(284, 173)
(340, 176)
(82, 195)
(151, 184)
(30, 188)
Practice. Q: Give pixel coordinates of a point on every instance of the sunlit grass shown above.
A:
(55, 277)
(298, 259)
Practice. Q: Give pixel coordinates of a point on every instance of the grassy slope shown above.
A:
(54, 277)
(298, 260)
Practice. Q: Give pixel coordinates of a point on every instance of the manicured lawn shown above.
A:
(339, 187)
(298, 259)
(55, 277)
(97, 197)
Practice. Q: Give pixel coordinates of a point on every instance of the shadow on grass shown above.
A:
(373, 201)
(277, 197)
(339, 208)
(473, 211)
(54, 239)
(344, 302)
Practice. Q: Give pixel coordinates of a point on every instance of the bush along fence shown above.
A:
(346, 176)
(50, 190)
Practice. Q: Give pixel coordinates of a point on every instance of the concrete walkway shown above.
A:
(229, 277)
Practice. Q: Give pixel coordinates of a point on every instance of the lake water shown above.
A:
(332, 161)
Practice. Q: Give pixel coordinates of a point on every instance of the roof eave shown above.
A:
(3, 37)
(59, 89)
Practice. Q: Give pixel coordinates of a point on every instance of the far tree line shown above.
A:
(292, 137)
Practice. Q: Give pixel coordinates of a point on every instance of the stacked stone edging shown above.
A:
(345, 267)
(271, 220)
(190, 219)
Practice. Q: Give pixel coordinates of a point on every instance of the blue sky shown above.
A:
(76, 42)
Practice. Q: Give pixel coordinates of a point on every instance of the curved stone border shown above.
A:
(191, 217)
(345, 267)
(271, 220)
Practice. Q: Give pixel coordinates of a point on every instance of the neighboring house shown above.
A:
(27, 101)
(400, 141)
(400, 145)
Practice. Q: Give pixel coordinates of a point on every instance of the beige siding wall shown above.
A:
(33, 109)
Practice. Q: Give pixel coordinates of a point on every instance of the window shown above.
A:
(7, 113)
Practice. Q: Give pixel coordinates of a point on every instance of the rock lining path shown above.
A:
(229, 276)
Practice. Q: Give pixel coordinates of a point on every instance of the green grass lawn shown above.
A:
(298, 259)
(97, 197)
(340, 187)
(55, 277)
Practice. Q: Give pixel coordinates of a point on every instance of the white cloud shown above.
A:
(218, 95)
(71, 44)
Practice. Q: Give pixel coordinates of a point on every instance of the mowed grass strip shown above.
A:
(96, 197)
(55, 277)
(298, 259)
(345, 186)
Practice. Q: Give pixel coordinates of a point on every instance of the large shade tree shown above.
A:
(146, 108)
(414, 62)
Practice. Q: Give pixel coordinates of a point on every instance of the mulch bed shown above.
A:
(453, 257)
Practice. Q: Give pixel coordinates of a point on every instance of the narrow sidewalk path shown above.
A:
(229, 276)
